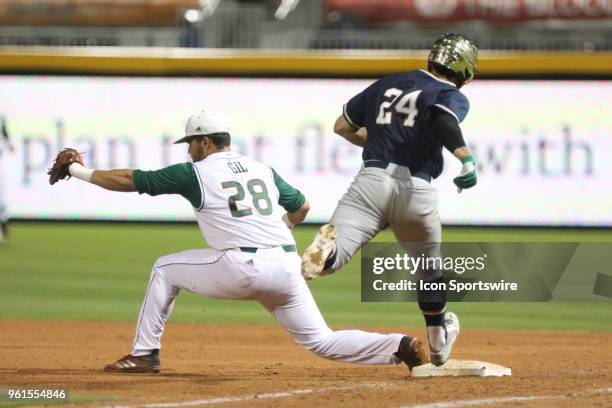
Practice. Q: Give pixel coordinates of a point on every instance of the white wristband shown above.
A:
(467, 167)
(77, 170)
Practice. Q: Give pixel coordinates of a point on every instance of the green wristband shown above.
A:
(467, 159)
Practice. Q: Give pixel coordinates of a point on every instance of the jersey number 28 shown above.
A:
(406, 105)
(259, 194)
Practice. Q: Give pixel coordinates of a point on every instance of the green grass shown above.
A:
(99, 272)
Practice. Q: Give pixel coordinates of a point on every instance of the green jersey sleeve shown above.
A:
(176, 179)
(290, 198)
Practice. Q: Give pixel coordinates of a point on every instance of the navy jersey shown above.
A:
(395, 111)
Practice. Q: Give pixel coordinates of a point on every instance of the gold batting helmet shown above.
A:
(457, 54)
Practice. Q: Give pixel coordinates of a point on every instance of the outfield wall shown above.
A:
(332, 63)
(543, 145)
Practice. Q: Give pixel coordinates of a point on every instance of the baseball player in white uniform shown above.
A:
(245, 212)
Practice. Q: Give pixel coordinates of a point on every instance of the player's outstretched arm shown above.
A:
(357, 137)
(69, 163)
(114, 180)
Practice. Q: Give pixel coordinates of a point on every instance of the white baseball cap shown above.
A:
(204, 123)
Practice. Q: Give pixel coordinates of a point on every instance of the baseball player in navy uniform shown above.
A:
(403, 122)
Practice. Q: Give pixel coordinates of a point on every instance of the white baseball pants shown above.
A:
(270, 276)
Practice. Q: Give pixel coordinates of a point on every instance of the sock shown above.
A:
(436, 330)
(437, 337)
(433, 306)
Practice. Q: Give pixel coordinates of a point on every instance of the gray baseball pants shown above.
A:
(388, 197)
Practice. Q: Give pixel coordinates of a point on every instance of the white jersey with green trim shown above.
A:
(240, 203)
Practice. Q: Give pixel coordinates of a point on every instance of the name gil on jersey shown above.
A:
(237, 167)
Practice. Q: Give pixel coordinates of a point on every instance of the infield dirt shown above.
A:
(210, 362)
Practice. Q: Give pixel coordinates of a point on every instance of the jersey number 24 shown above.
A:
(405, 105)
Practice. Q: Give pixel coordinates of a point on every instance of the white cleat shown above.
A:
(440, 357)
(315, 256)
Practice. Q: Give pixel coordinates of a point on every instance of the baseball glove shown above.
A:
(59, 170)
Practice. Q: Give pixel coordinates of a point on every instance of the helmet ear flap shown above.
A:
(456, 77)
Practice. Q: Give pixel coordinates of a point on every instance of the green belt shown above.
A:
(286, 248)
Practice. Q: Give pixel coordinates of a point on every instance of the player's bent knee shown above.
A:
(158, 267)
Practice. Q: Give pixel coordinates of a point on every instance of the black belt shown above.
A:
(286, 248)
(381, 164)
